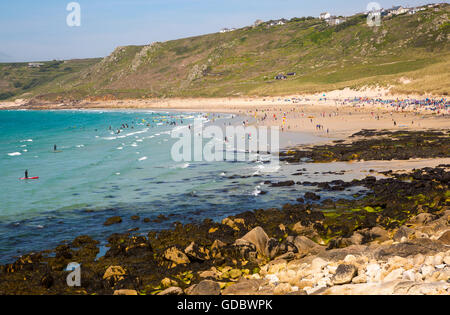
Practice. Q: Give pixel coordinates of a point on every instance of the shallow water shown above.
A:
(97, 173)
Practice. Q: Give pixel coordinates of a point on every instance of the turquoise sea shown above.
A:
(96, 173)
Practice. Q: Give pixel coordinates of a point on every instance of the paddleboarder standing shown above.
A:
(26, 174)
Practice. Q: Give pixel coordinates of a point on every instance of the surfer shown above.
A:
(26, 174)
(54, 147)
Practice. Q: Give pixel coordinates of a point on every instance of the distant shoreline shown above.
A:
(336, 113)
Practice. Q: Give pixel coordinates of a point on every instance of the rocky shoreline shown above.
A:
(395, 239)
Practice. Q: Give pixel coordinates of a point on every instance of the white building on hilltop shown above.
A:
(226, 30)
(325, 16)
(398, 10)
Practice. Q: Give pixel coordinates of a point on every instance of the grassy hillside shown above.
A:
(18, 79)
(407, 48)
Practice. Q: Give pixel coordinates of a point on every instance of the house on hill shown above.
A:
(277, 22)
(333, 21)
(257, 23)
(35, 64)
(415, 10)
(226, 30)
(325, 16)
(398, 10)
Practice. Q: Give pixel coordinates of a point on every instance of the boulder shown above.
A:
(243, 287)
(396, 274)
(259, 239)
(344, 274)
(311, 196)
(373, 272)
(205, 287)
(445, 238)
(422, 218)
(272, 248)
(125, 292)
(282, 289)
(113, 220)
(386, 288)
(230, 223)
(171, 291)
(306, 246)
(422, 246)
(283, 184)
(403, 232)
(318, 264)
(378, 234)
(167, 283)
(246, 250)
(216, 248)
(114, 273)
(195, 252)
(176, 256)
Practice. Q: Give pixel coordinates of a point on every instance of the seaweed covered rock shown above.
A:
(344, 274)
(113, 220)
(176, 256)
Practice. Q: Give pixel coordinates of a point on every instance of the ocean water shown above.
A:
(96, 173)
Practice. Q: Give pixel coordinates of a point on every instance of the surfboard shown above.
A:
(23, 178)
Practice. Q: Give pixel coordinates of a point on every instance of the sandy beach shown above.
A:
(335, 114)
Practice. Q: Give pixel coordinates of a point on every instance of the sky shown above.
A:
(33, 30)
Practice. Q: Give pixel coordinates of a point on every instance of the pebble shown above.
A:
(362, 278)
(394, 275)
(373, 272)
(409, 275)
(447, 260)
(426, 270)
(273, 279)
(419, 259)
(318, 263)
(282, 288)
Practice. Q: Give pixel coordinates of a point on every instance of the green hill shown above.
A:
(245, 61)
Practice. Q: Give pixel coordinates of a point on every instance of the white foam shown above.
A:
(257, 191)
(14, 154)
(142, 158)
(27, 140)
(268, 168)
(120, 148)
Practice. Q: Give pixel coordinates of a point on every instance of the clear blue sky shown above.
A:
(32, 30)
